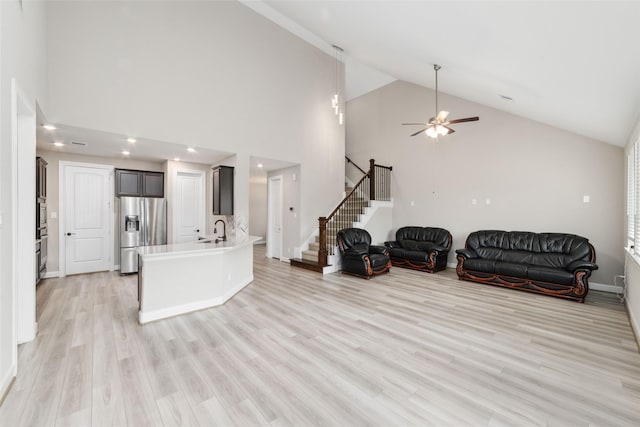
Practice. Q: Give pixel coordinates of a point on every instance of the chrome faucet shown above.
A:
(224, 229)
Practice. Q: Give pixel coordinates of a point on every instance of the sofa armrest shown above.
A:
(355, 254)
(439, 250)
(467, 253)
(375, 249)
(392, 244)
(581, 265)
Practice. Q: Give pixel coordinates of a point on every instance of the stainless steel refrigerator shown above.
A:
(143, 222)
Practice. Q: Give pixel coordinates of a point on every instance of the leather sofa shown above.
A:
(420, 248)
(554, 264)
(359, 256)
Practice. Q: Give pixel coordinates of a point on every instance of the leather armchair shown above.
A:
(359, 257)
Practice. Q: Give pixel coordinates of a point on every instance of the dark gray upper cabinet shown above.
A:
(135, 183)
(41, 178)
(153, 184)
(223, 190)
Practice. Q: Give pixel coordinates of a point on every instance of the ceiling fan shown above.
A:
(439, 125)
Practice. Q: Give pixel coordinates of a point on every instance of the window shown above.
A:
(633, 198)
(630, 197)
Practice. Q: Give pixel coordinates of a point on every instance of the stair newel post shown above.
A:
(322, 238)
(372, 179)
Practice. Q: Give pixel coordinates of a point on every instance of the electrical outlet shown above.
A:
(586, 199)
(474, 202)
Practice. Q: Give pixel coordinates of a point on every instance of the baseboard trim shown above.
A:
(146, 317)
(605, 288)
(51, 274)
(7, 383)
(635, 326)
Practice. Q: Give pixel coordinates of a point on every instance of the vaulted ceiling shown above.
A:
(573, 65)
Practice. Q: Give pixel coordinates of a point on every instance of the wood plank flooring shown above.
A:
(296, 348)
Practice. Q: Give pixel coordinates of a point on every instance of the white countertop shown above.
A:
(197, 247)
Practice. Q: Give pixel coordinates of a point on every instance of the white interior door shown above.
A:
(274, 213)
(189, 206)
(87, 218)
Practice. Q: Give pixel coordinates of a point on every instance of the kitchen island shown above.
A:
(179, 278)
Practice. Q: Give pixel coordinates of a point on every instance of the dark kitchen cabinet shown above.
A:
(135, 183)
(223, 190)
(152, 184)
(41, 178)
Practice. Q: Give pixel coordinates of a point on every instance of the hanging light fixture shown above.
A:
(439, 125)
(337, 102)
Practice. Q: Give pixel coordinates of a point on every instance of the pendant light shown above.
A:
(337, 102)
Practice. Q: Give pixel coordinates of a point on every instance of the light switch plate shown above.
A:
(586, 199)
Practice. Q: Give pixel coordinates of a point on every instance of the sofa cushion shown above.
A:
(480, 264)
(416, 245)
(511, 269)
(552, 275)
(409, 254)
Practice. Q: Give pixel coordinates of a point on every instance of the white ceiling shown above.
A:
(573, 65)
(111, 145)
(106, 144)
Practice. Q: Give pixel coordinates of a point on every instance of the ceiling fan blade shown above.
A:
(442, 116)
(421, 124)
(420, 131)
(468, 119)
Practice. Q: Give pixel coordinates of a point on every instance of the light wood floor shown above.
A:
(296, 349)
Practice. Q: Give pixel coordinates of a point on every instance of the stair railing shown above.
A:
(374, 185)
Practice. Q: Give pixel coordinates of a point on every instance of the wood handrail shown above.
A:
(354, 164)
(347, 197)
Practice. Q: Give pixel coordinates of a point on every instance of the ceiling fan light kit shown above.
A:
(438, 125)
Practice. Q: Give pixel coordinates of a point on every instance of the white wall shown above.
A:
(211, 74)
(534, 175)
(23, 57)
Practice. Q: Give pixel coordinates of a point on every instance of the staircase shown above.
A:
(317, 256)
(351, 213)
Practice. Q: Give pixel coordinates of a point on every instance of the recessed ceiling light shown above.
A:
(177, 159)
(131, 140)
(58, 144)
(191, 150)
(505, 97)
(259, 165)
(126, 153)
(49, 127)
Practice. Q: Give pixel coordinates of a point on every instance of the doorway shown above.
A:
(274, 217)
(86, 234)
(189, 206)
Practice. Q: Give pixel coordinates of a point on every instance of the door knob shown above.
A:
(69, 234)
